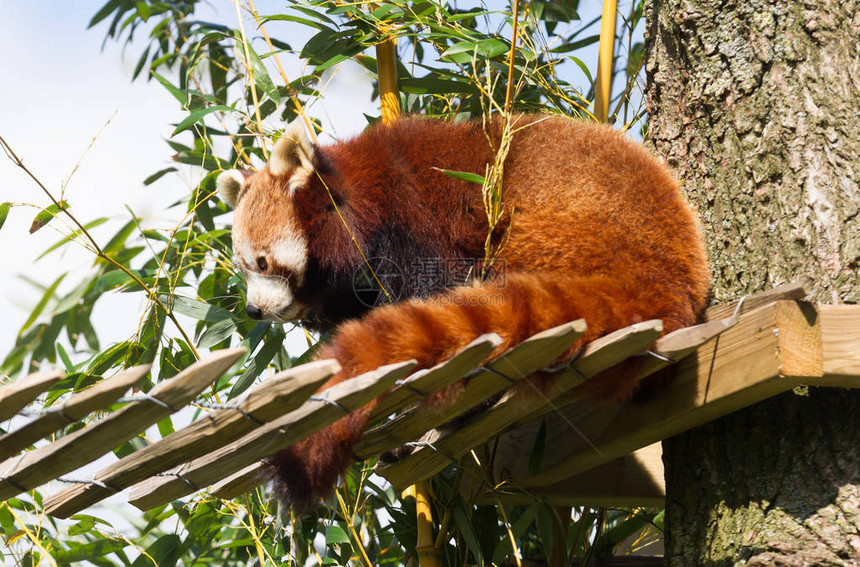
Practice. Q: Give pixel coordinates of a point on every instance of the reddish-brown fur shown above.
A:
(599, 231)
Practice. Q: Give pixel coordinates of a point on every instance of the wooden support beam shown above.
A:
(318, 412)
(840, 344)
(527, 357)
(771, 350)
(632, 480)
(85, 445)
(269, 400)
(444, 446)
(15, 396)
(77, 407)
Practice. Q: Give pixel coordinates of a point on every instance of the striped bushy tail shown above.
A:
(434, 330)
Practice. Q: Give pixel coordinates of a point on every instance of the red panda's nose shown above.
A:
(253, 311)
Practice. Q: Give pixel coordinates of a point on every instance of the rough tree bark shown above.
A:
(756, 105)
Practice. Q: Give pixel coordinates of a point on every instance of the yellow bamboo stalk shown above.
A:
(293, 96)
(250, 71)
(603, 84)
(558, 555)
(386, 68)
(428, 555)
(515, 13)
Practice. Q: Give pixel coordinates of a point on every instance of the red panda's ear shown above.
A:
(229, 184)
(292, 151)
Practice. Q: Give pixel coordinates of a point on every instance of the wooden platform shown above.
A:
(611, 456)
(555, 444)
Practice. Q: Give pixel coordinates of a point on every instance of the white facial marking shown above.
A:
(272, 295)
(292, 253)
(244, 251)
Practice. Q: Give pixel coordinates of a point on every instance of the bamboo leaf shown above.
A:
(216, 333)
(87, 551)
(177, 93)
(104, 12)
(536, 457)
(46, 214)
(464, 51)
(195, 308)
(158, 175)
(40, 306)
(4, 212)
(259, 363)
(164, 552)
(464, 176)
(198, 115)
(261, 77)
(467, 530)
(336, 534)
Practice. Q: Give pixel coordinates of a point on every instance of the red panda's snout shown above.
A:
(253, 311)
(272, 298)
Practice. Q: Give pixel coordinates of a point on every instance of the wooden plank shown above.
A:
(239, 483)
(599, 355)
(632, 480)
(408, 390)
(77, 407)
(840, 338)
(742, 366)
(612, 347)
(796, 290)
(15, 396)
(799, 349)
(529, 356)
(425, 382)
(313, 415)
(85, 445)
(269, 400)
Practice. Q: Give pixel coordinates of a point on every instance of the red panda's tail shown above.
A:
(434, 330)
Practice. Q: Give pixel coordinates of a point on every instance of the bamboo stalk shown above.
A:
(509, 93)
(386, 68)
(603, 82)
(428, 555)
(85, 445)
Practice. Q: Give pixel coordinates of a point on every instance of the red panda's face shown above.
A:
(269, 245)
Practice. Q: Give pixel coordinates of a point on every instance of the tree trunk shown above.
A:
(756, 105)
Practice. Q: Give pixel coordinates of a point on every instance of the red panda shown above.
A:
(594, 228)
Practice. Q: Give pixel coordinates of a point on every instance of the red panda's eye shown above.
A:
(262, 264)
